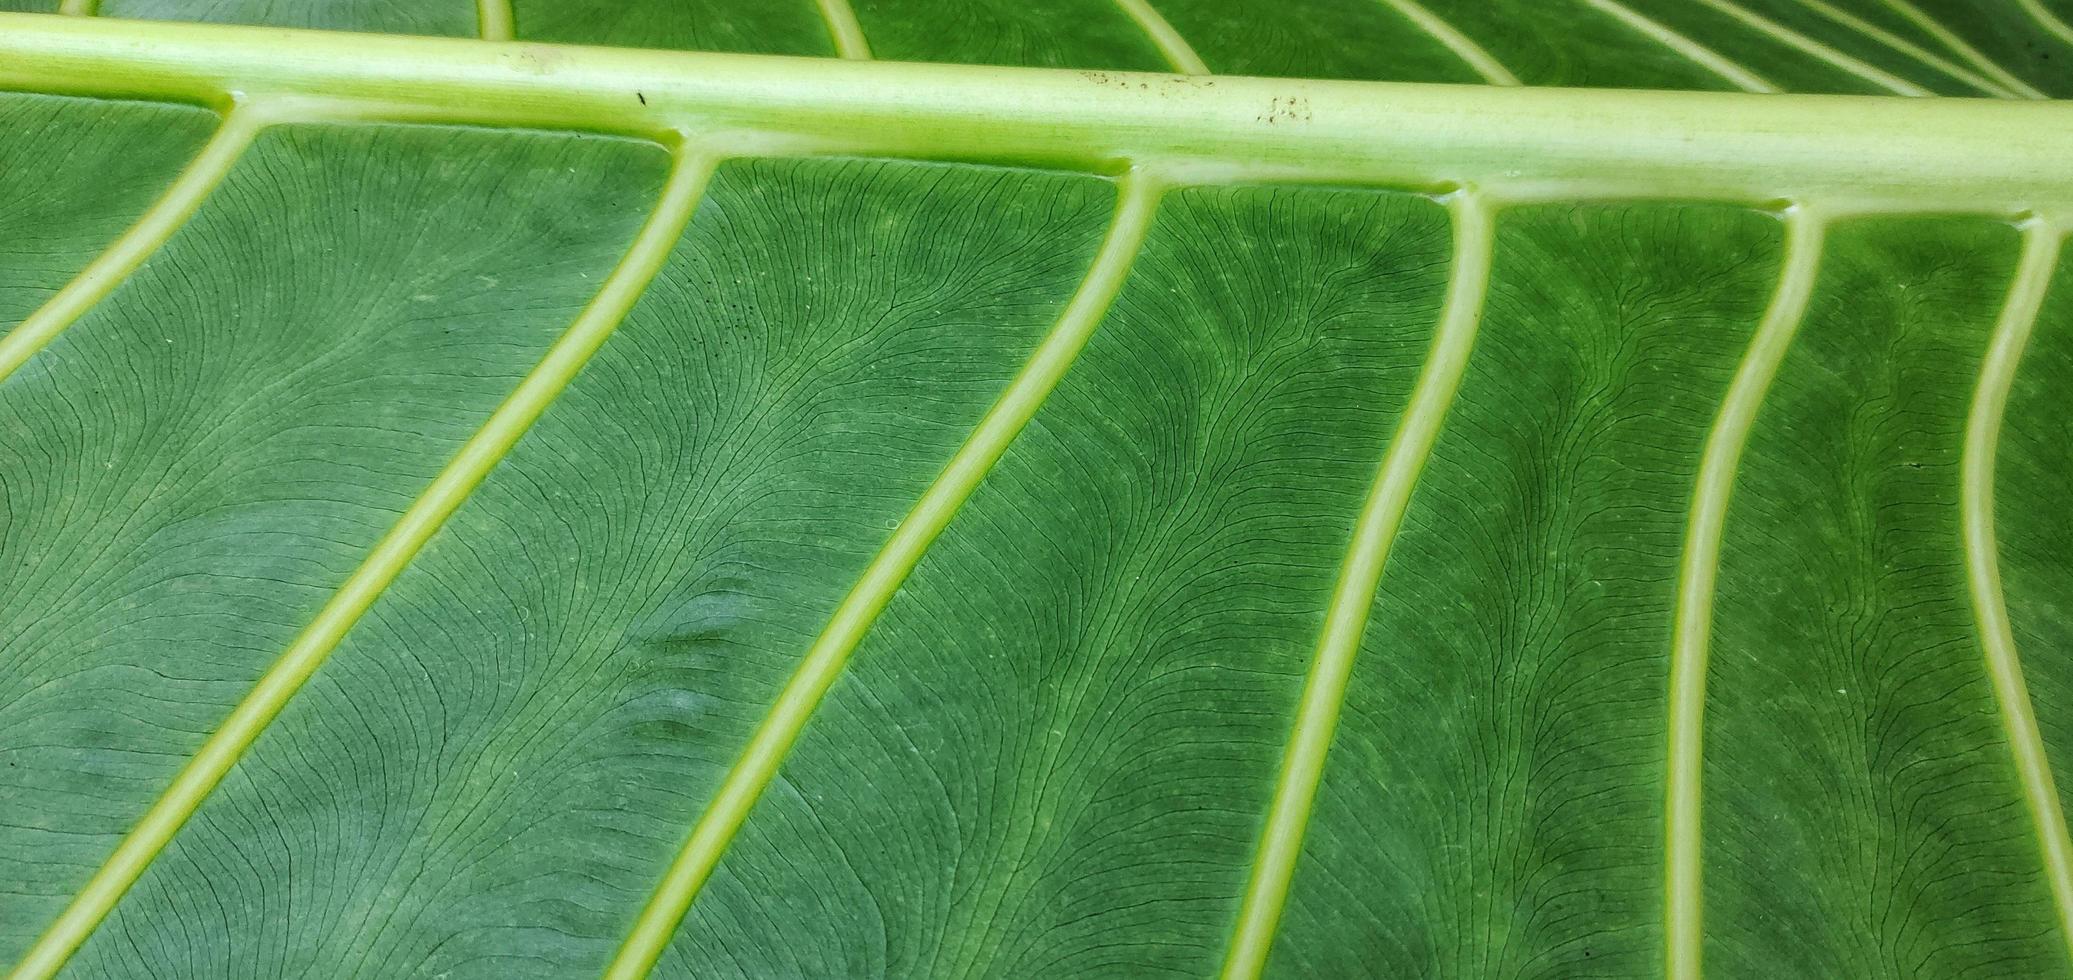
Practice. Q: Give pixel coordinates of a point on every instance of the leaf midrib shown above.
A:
(579, 88)
(1514, 143)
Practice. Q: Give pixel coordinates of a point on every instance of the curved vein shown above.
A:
(1703, 56)
(1909, 48)
(1697, 568)
(1346, 616)
(843, 27)
(2046, 19)
(1963, 49)
(424, 517)
(1807, 45)
(79, 8)
(1486, 65)
(1983, 570)
(1138, 201)
(1171, 44)
(127, 252)
(494, 20)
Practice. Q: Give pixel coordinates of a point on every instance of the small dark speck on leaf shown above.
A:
(643, 98)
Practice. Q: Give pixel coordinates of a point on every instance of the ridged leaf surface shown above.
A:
(475, 509)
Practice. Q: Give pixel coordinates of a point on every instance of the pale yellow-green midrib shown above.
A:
(1346, 615)
(2000, 157)
(171, 810)
(1697, 568)
(1138, 197)
(376, 108)
(2041, 246)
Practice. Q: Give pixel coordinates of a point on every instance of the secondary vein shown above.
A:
(1693, 51)
(1909, 48)
(1169, 41)
(122, 257)
(482, 451)
(1485, 64)
(843, 27)
(1982, 564)
(495, 20)
(1138, 201)
(1346, 615)
(1862, 69)
(1959, 46)
(1697, 568)
(2046, 19)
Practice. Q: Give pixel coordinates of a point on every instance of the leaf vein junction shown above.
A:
(1805, 232)
(2041, 245)
(1346, 616)
(125, 254)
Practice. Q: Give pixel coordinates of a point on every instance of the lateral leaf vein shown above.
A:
(1698, 566)
(122, 257)
(2018, 319)
(171, 810)
(1346, 614)
(1138, 200)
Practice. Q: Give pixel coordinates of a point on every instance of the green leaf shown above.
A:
(487, 509)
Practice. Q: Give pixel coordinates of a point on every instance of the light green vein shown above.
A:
(1916, 154)
(1169, 41)
(1485, 64)
(843, 27)
(126, 253)
(2046, 19)
(1982, 566)
(1138, 201)
(1909, 48)
(79, 8)
(1807, 45)
(1949, 39)
(1683, 897)
(1346, 615)
(495, 20)
(424, 517)
(1699, 54)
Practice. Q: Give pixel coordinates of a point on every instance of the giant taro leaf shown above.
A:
(475, 508)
